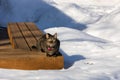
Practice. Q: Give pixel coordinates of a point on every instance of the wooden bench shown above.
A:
(22, 37)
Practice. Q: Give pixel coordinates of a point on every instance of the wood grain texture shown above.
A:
(16, 38)
(29, 60)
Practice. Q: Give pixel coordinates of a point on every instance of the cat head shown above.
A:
(51, 41)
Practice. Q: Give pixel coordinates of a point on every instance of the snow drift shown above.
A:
(88, 31)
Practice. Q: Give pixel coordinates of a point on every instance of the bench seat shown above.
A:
(23, 36)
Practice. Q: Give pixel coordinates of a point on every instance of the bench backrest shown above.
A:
(23, 35)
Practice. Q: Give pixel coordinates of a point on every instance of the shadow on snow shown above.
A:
(38, 11)
(70, 60)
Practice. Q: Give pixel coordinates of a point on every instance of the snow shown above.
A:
(88, 31)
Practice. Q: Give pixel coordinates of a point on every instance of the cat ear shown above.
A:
(55, 35)
(47, 35)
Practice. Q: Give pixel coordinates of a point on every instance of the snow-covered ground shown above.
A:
(88, 31)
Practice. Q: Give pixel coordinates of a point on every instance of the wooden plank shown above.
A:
(27, 35)
(11, 36)
(5, 44)
(31, 61)
(16, 37)
(34, 30)
(18, 51)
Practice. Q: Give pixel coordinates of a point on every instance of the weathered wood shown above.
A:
(30, 40)
(22, 37)
(17, 59)
(34, 30)
(16, 38)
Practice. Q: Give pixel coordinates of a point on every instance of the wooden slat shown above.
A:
(11, 36)
(34, 30)
(18, 51)
(27, 35)
(16, 38)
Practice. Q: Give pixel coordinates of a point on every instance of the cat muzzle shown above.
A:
(50, 48)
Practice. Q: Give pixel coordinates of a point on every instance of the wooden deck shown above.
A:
(23, 35)
(17, 52)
